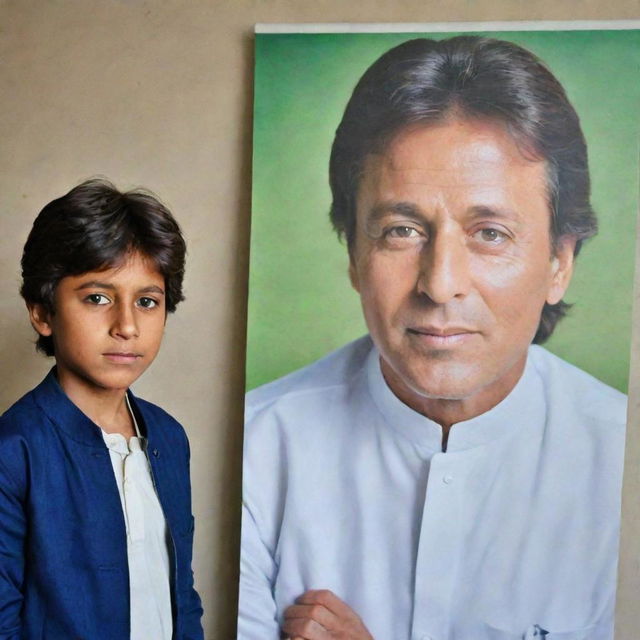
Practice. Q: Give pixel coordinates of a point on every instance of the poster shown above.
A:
(302, 306)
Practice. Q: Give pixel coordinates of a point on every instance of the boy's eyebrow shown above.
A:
(152, 289)
(96, 284)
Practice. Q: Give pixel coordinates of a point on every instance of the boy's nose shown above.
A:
(124, 325)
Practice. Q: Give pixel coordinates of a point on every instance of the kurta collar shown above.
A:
(55, 403)
(522, 411)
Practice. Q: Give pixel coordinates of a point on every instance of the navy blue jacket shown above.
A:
(63, 548)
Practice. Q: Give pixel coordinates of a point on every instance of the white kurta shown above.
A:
(512, 532)
(147, 550)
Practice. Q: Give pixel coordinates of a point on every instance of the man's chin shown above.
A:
(428, 384)
(447, 391)
(442, 379)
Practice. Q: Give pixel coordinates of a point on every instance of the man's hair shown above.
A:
(425, 81)
(95, 227)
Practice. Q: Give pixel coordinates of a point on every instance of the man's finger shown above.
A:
(316, 612)
(305, 629)
(337, 617)
(330, 601)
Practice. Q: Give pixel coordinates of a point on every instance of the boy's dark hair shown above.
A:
(425, 81)
(94, 227)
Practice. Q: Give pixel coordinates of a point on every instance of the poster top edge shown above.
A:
(407, 27)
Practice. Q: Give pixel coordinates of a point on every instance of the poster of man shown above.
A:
(443, 477)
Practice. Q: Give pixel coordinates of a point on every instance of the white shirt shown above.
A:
(512, 531)
(147, 550)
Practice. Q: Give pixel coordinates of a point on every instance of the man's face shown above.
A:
(453, 261)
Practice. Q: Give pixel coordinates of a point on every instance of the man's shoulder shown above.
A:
(579, 391)
(332, 371)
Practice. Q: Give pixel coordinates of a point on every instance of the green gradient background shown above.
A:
(301, 305)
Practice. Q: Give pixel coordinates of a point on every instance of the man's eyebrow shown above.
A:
(382, 209)
(409, 210)
(481, 211)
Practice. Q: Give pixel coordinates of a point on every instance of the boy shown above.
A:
(96, 530)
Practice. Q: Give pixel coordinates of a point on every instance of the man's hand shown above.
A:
(321, 615)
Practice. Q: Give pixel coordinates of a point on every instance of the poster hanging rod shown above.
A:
(408, 27)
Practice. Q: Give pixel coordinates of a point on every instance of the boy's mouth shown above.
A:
(122, 357)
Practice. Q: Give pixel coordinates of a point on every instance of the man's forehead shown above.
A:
(477, 158)
(487, 143)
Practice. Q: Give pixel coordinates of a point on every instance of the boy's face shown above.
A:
(107, 326)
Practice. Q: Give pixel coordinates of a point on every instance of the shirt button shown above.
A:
(447, 480)
(426, 638)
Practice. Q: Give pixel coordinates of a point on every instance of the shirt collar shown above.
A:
(522, 411)
(118, 443)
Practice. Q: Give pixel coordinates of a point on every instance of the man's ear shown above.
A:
(353, 273)
(40, 318)
(561, 268)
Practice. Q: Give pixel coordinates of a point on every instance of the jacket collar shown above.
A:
(68, 418)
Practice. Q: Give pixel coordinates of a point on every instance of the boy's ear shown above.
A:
(40, 318)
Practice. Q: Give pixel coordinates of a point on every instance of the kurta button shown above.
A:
(447, 480)
(156, 453)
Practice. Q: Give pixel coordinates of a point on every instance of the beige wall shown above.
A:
(158, 93)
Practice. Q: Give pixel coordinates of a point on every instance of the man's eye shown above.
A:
(147, 303)
(402, 231)
(491, 236)
(97, 298)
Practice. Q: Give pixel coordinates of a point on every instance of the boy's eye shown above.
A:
(97, 298)
(147, 303)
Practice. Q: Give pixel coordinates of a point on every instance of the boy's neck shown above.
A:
(107, 408)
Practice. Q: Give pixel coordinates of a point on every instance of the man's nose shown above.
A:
(124, 322)
(444, 268)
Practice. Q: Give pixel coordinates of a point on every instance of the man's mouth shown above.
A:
(441, 336)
